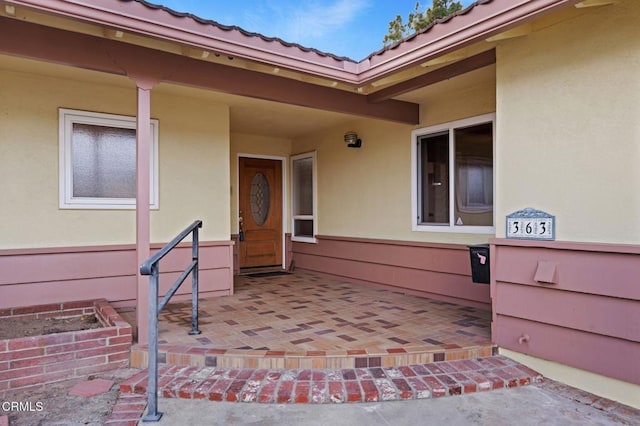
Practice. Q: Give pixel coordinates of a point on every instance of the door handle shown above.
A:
(240, 230)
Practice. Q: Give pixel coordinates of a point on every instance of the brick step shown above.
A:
(325, 386)
(203, 356)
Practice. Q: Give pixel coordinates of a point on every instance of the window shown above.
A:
(98, 161)
(453, 177)
(303, 202)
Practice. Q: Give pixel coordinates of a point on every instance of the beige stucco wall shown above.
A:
(366, 192)
(567, 123)
(261, 146)
(194, 166)
(362, 192)
(193, 160)
(458, 98)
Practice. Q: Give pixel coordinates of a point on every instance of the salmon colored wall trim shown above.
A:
(236, 253)
(569, 245)
(604, 355)
(585, 317)
(439, 271)
(394, 242)
(606, 272)
(75, 273)
(84, 249)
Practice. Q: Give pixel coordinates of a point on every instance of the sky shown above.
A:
(351, 28)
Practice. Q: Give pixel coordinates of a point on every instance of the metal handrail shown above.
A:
(151, 267)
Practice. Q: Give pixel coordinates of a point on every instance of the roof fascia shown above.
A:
(137, 18)
(483, 21)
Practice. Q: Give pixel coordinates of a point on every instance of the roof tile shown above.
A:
(299, 46)
(429, 27)
(242, 31)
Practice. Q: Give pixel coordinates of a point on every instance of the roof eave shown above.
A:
(484, 20)
(134, 17)
(487, 19)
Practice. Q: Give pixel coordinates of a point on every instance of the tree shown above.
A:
(417, 20)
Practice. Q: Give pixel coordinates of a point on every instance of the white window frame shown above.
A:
(416, 189)
(314, 216)
(67, 117)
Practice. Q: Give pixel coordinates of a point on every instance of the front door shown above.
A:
(260, 213)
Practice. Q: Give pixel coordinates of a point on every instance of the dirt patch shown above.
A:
(52, 404)
(12, 328)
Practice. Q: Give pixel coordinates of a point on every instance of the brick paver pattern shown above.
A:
(308, 312)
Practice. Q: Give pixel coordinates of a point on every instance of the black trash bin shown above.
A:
(480, 272)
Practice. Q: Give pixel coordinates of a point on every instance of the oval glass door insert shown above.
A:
(259, 198)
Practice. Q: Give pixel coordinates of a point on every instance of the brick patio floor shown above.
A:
(307, 320)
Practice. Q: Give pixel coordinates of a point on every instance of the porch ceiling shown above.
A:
(266, 118)
(485, 76)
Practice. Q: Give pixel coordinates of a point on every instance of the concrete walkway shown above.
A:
(529, 405)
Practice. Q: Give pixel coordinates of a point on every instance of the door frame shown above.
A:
(285, 213)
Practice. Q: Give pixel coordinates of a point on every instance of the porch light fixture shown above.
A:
(351, 138)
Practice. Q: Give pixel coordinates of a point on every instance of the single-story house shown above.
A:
(512, 123)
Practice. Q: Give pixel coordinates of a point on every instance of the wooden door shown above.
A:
(260, 213)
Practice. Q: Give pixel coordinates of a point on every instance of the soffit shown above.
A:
(266, 118)
(482, 77)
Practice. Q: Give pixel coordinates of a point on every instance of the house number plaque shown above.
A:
(531, 224)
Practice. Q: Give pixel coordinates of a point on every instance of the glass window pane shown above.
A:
(104, 161)
(303, 186)
(474, 175)
(259, 198)
(434, 163)
(303, 228)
